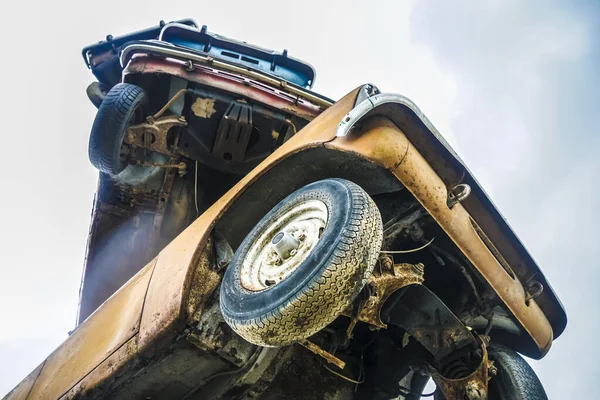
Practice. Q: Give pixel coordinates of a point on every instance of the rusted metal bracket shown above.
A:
(387, 278)
(181, 167)
(153, 134)
(471, 387)
(330, 358)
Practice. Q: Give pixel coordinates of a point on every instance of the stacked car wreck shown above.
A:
(253, 239)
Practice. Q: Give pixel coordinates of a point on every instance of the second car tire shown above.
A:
(122, 107)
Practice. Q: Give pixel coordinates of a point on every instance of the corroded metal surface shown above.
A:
(471, 387)
(204, 281)
(452, 171)
(105, 374)
(387, 278)
(384, 143)
(152, 134)
(168, 305)
(330, 358)
(230, 83)
(212, 334)
(112, 325)
(164, 306)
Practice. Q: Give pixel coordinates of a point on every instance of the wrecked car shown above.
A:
(251, 238)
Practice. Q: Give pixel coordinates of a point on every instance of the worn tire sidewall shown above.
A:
(241, 304)
(111, 123)
(515, 380)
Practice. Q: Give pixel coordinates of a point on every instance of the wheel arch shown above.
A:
(313, 164)
(300, 169)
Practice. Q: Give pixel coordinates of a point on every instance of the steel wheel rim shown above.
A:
(264, 266)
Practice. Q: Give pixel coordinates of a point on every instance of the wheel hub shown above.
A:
(284, 245)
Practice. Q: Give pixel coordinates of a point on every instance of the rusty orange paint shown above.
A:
(384, 143)
(105, 371)
(164, 306)
(107, 329)
(154, 305)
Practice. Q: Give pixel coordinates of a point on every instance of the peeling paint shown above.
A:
(204, 108)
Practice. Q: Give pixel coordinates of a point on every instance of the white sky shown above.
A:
(506, 84)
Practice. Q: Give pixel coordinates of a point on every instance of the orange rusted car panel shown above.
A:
(383, 143)
(160, 300)
(112, 325)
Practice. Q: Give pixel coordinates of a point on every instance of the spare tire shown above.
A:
(122, 107)
(303, 264)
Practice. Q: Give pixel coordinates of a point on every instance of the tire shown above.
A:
(122, 107)
(324, 283)
(96, 92)
(515, 379)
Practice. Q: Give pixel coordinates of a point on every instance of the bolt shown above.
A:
(301, 237)
(419, 268)
(293, 252)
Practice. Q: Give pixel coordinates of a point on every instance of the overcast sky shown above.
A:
(513, 85)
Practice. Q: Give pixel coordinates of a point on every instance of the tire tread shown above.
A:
(329, 293)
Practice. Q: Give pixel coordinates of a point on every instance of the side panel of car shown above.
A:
(374, 142)
(112, 325)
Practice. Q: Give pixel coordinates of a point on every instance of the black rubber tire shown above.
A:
(123, 106)
(323, 285)
(96, 92)
(515, 380)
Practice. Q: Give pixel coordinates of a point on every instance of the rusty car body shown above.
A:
(163, 234)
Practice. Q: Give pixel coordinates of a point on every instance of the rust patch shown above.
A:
(101, 381)
(204, 282)
(471, 387)
(330, 358)
(387, 278)
(204, 108)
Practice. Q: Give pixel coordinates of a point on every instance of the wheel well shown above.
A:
(316, 164)
(298, 170)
